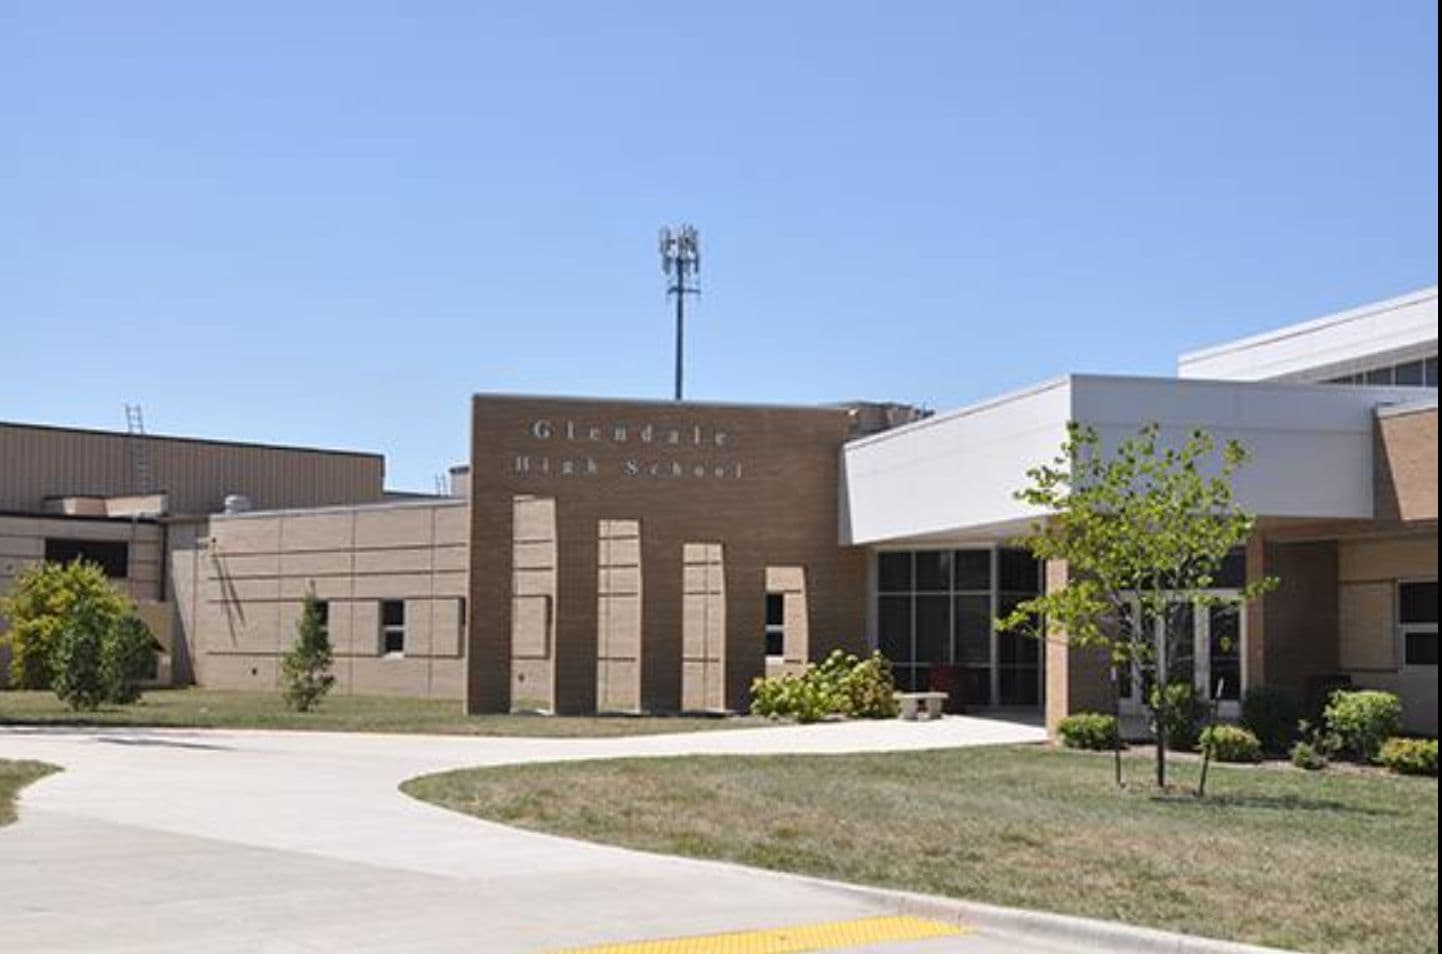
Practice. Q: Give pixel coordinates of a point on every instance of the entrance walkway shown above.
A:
(176, 840)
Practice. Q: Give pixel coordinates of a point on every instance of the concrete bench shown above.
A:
(912, 703)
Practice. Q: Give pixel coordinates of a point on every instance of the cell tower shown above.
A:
(681, 261)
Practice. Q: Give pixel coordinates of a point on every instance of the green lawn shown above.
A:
(13, 777)
(206, 708)
(1334, 861)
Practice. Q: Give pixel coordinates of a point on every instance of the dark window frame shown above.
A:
(1416, 631)
(112, 556)
(775, 626)
(393, 628)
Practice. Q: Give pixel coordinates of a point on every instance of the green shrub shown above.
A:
(791, 696)
(841, 684)
(76, 670)
(1307, 756)
(41, 606)
(1363, 720)
(1089, 730)
(867, 688)
(97, 656)
(1271, 714)
(1231, 743)
(1410, 756)
(1177, 713)
(127, 658)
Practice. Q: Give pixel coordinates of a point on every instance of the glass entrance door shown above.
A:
(1208, 656)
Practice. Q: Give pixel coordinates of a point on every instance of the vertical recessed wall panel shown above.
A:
(703, 624)
(533, 601)
(618, 616)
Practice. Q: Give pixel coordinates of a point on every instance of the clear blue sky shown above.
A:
(330, 222)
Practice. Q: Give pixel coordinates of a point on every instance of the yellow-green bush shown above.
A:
(1089, 730)
(1231, 743)
(840, 685)
(1410, 756)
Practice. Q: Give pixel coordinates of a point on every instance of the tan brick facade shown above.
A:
(239, 588)
(748, 488)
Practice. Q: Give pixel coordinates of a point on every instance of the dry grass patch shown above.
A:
(1285, 858)
(15, 775)
(212, 708)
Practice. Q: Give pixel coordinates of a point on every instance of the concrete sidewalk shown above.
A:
(171, 840)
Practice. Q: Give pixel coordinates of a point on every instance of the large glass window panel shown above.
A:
(976, 682)
(1409, 374)
(933, 629)
(1019, 571)
(1179, 635)
(1421, 648)
(1006, 603)
(973, 629)
(1225, 659)
(1417, 602)
(894, 637)
(1379, 376)
(1429, 375)
(1232, 574)
(1019, 686)
(1124, 633)
(933, 571)
(973, 569)
(894, 572)
(918, 678)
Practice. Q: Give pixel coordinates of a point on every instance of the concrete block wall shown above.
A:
(22, 544)
(243, 582)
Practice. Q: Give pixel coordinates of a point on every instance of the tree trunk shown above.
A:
(1117, 715)
(1161, 757)
(1159, 719)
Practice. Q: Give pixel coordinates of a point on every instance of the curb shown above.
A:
(1041, 926)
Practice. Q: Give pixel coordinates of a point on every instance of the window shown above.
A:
(1421, 372)
(112, 555)
(776, 625)
(934, 620)
(1225, 660)
(1417, 616)
(322, 608)
(894, 570)
(1410, 374)
(1205, 651)
(393, 627)
(1020, 572)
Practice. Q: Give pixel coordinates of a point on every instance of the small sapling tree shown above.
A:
(305, 670)
(1143, 531)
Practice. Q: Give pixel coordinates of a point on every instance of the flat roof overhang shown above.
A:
(953, 477)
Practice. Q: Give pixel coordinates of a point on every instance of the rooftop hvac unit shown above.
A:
(236, 503)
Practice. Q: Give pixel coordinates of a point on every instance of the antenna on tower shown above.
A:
(139, 449)
(681, 261)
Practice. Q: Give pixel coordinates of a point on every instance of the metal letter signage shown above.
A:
(580, 443)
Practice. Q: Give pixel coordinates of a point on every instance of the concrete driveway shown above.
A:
(218, 841)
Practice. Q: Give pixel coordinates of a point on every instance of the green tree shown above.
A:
(305, 670)
(1145, 526)
(127, 659)
(77, 654)
(49, 599)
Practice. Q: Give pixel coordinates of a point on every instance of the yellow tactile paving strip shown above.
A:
(786, 940)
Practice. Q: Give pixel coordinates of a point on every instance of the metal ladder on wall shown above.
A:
(139, 449)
